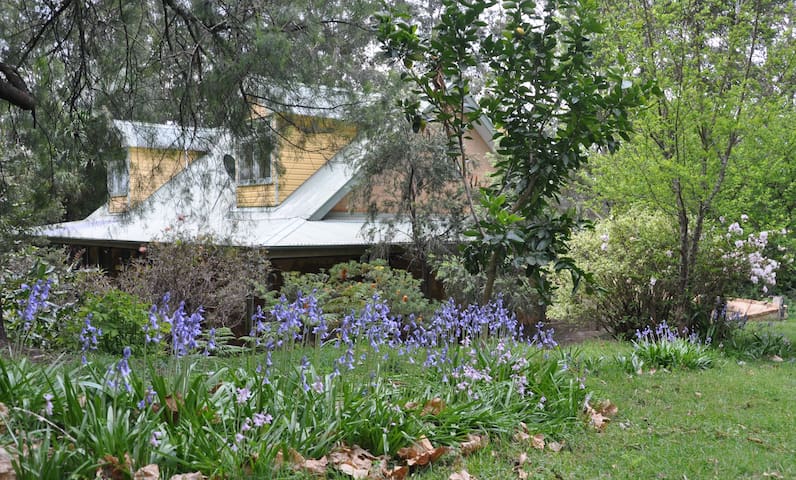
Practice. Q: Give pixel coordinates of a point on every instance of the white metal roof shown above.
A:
(201, 200)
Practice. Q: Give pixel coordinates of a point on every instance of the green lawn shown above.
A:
(736, 420)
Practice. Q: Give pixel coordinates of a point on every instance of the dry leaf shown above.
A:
(776, 358)
(433, 407)
(754, 440)
(606, 408)
(421, 453)
(522, 474)
(396, 473)
(773, 474)
(521, 437)
(473, 443)
(523, 458)
(148, 472)
(6, 465)
(555, 446)
(353, 461)
(411, 405)
(314, 467)
(114, 469)
(462, 475)
(188, 476)
(597, 419)
(537, 441)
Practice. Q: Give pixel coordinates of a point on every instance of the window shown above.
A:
(254, 160)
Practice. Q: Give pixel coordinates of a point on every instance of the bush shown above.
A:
(634, 261)
(121, 317)
(201, 273)
(351, 285)
(41, 290)
(467, 288)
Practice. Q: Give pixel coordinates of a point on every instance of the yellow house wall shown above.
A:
(150, 168)
(117, 204)
(304, 146)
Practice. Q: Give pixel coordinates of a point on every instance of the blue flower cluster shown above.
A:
(36, 301)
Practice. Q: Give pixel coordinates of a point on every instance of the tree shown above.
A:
(726, 74)
(80, 64)
(551, 105)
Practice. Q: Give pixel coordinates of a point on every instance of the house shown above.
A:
(286, 192)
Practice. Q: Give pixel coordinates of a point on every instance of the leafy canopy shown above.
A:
(549, 103)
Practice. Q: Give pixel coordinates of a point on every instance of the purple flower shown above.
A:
(260, 419)
(37, 300)
(154, 439)
(89, 337)
(48, 407)
(243, 395)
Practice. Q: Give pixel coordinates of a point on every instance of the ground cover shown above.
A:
(455, 395)
(735, 420)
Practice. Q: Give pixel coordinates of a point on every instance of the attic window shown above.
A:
(254, 161)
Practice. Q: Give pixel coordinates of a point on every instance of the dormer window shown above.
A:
(255, 158)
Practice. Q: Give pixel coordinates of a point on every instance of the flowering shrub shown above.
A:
(634, 260)
(372, 381)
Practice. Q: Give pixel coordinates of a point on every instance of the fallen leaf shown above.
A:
(537, 441)
(6, 465)
(755, 440)
(698, 394)
(148, 472)
(473, 444)
(315, 467)
(521, 437)
(522, 474)
(353, 461)
(188, 476)
(462, 475)
(433, 407)
(523, 458)
(773, 474)
(597, 419)
(607, 409)
(396, 473)
(411, 405)
(421, 453)
(115, 469)
(555, 446)
(776, 358)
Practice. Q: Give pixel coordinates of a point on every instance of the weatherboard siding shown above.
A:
(150, 169)
(117, 204)
(305, 145)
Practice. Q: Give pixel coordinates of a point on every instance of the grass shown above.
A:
(736, 420)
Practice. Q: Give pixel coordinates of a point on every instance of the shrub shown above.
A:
(121, 317)
(351, 285)
(37, 320)
(201, 273)
(634, 261)
(467, 288)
